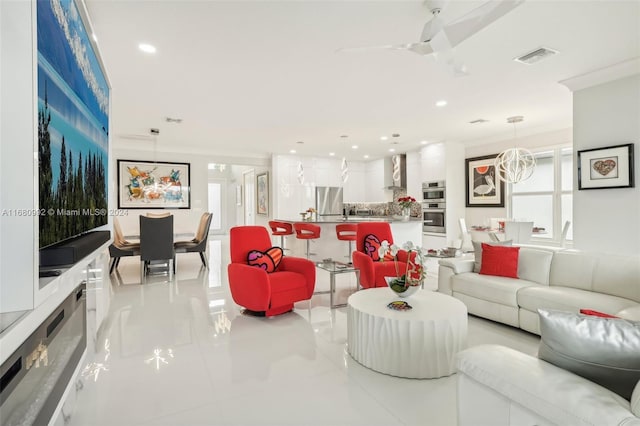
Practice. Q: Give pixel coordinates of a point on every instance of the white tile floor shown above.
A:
(181, 353)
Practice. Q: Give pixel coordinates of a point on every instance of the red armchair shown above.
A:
(372, 272)
(255, 289)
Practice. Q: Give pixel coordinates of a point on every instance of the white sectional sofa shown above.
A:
(499, 386)
(548, 279)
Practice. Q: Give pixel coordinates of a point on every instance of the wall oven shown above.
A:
(433, 192)
(433, 217)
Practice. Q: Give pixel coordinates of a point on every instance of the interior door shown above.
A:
(249, 183)
(217, 205)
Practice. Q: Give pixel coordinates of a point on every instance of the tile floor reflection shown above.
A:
(181, 353)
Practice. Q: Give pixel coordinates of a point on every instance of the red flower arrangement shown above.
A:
(406, 202)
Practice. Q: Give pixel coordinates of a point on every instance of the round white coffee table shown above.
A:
(420, 343)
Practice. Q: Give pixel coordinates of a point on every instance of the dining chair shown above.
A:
(518, 232)
(465, 236)
(156, 244)
(199, 243)
(164, 214)
(493, 236)
(120, 247)
(565, 231)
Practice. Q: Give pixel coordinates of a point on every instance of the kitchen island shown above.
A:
(329, 247)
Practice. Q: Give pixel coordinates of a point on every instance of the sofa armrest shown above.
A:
(459, 266)
(543, 389)
(449, 267)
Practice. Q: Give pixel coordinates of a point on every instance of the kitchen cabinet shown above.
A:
(353, 187)
(414, 175)
(375, 185)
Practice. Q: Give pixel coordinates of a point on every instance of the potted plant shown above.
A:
(406, 282)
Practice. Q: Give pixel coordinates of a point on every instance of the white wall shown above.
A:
(607, 220)
(18, 175)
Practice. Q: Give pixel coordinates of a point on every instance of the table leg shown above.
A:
(332, 288)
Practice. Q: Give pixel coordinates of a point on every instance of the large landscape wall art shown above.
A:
(73, 125)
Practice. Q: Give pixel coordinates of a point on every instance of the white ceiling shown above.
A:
(250, 78)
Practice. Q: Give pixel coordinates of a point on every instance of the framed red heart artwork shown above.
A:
(608, 167)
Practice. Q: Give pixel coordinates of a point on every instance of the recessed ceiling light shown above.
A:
(354, 146)
(424, 142)
(147, 48)
(332, 154)
(441, 103)
(365, 156)
(384, 138)
(292, 151)
(392, 150)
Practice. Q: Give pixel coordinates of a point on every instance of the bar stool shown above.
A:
(282, 229)
(347, 232)
(306, 231)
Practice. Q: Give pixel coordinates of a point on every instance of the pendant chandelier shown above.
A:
(515, 164)
(344, 170)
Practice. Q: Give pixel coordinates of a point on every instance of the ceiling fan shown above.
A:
(439, 39)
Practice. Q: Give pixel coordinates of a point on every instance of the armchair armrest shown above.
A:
(403, 256)
(250, 286)
(504, 379)
(364, 263)
(301, 266)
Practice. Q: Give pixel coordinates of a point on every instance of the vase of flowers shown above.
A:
(405, 205)
(311, 212)
(406, 282)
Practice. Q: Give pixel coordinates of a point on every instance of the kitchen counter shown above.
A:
(355, 219)
(329, 247)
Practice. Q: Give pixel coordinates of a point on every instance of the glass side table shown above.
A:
(333, 268)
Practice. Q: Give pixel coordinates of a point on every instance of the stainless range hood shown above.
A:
(395, 168)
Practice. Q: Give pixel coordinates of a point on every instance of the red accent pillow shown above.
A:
(501, 261)
(267, 260)
(596, 313)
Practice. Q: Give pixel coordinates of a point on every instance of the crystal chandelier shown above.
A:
(515, 164)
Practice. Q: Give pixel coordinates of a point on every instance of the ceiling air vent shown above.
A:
(536, 56)
(479, 121)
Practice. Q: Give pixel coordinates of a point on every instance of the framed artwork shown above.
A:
(482, 186)
(262, 193)
(73, 95)
(153, 185)
(608, 167)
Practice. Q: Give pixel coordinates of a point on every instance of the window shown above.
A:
(546, 198)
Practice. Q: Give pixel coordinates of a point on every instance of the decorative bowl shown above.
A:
(397, 286)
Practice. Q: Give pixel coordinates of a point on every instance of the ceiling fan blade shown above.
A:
(366, 48)
(421, 48)
(479, 18)
(431, 28)
(444, 54)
